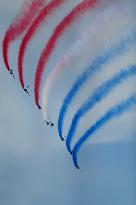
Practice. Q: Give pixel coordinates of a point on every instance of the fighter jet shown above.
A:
(52, 124)
(26, 90)
(71, 152)
(47, 123)
(77, 167)
(62, 139)
(39, 107)
(11, 73)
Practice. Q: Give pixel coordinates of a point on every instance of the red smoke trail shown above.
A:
(19, 24)
(67, 21)
(33, 28)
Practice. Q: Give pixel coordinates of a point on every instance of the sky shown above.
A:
(35, 167)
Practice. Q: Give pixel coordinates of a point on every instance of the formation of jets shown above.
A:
(26, 90)
(11, 73)
(50, 123)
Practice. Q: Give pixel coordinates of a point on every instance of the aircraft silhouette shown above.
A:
(47, 123)
(71, 152)
(62, 139)
(52, 124)
(11, 73)
(77, 167)
(26, 90)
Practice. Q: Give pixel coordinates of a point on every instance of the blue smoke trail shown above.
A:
(98, 94)
(95, 66)
(114, 112)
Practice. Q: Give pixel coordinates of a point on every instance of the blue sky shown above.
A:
(35, 167)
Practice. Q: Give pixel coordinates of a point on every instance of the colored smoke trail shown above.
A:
(59, 30)
(101, 92)
(73, 51)
(19, 25)
(48, 85)
(112, 113)
(94, 67)
(44, 13)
